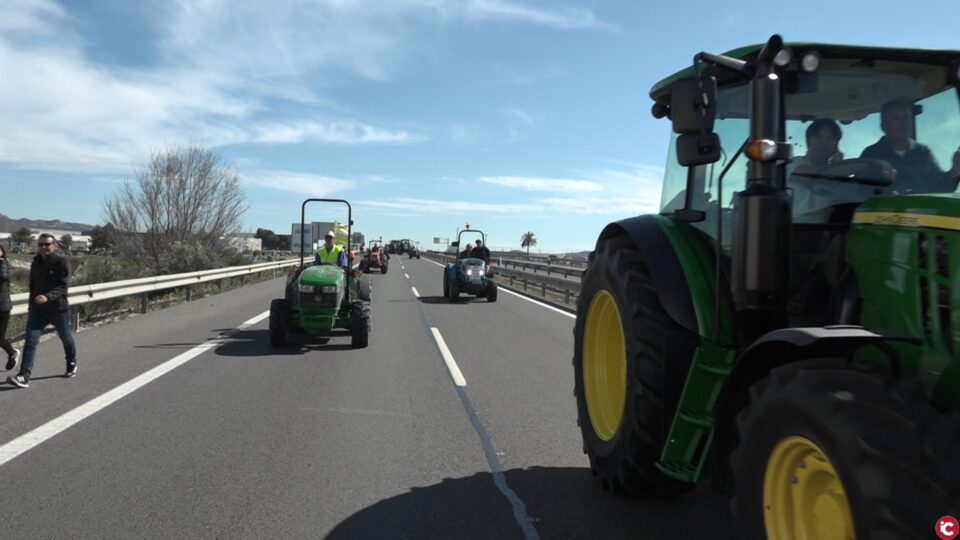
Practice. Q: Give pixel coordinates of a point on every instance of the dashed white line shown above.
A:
(528, 299)
(415, 292)
(406, 276)
(45, 432)
(448, 358)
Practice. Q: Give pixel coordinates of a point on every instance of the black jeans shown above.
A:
(4, 322)
(36, 322)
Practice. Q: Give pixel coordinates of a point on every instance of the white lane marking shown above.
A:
(406, 276)
(528, 299)
(415, 292)
(436, 263)
(47, 431)
(541, 304)
(448, 358)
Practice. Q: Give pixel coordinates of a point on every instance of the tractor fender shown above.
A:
(666, 272)
(828, 346)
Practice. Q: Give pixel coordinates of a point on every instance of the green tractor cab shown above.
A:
(322, 299)
(788, 325)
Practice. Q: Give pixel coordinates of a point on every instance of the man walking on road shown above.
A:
(49, 277)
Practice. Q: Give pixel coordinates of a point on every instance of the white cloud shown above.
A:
(224, 65)
(543, 184)
(567, 18)
(615, 206)
(300, 183)
(434, 206)
(337, 132)
(519, 114)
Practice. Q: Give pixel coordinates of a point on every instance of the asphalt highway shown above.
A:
(458, 421)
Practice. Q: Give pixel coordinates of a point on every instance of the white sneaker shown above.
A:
(14, 361)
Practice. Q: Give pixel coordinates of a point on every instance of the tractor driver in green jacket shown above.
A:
(330, 254)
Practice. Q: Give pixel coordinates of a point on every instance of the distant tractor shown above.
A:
(322, 299)
(374, 257)
(469, 275)
(789, 330)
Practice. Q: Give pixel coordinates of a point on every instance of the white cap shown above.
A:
(330, 234)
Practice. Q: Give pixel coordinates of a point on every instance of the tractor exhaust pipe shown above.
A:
(761, 235)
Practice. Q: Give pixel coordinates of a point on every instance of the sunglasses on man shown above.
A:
(44, 244)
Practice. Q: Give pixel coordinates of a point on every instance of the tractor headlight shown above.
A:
(329, 288)
(306, 288)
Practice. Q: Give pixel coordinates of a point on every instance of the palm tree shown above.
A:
(528, 240)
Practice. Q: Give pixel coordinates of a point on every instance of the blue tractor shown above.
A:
(470, 273)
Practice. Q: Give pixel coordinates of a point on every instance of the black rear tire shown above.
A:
(359, 324)
(279, 321)
(626, 461)
(492, 292)
(453, 291)
(383, 269)
(446, 283)
(893, 452)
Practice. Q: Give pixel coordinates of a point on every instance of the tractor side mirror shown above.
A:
(455, 244)
(693, 109)
(694, 149)
(693, 105)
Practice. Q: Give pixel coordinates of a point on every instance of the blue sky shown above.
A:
(514, 115)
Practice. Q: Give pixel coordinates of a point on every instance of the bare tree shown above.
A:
(182, 196)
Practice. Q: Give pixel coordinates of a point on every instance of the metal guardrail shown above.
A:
(84, 294)
(532, 280)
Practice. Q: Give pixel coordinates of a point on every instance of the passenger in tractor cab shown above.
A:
(465, 254)
(916, 169)
(812, 192)
(330, 254)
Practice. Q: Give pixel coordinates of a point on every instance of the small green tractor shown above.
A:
(804, 358)
(322, 299)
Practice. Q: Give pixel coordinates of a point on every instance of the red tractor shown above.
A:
(374, 257)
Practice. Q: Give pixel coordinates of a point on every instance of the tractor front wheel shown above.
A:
(279, 321)
(492, 292)
(359, 324)
(843, 453)
(619, 361)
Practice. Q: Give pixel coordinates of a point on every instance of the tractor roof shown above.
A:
(938, 57)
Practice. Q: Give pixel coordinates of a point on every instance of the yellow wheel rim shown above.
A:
(803, 498)
(604, 365)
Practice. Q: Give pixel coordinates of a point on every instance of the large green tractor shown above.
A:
(787, 326)
(322, 299)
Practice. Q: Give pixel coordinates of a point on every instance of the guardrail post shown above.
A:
(219, 285)
(75, 319)
(243, 280)
(511, 280)
(144, 303)
(543, 290)
(566, 296)
(189, 293)
(524, 283)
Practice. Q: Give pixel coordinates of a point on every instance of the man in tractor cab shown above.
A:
(916, 169)
(480, 252)
(330, 254)
(466, 254)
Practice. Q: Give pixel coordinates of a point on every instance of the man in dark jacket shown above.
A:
(481, 252)
(49, 277)
(917, 170)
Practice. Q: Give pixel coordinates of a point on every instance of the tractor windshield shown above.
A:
(859, 128)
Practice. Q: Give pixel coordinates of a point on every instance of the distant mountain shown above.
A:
(8, 224)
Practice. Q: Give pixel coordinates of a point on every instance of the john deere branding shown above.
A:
(897, 219)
